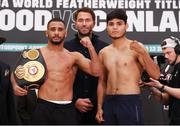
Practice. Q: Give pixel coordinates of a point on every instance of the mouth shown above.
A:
(84, 31)
(56, 38)
(84, 28)
(115, 32)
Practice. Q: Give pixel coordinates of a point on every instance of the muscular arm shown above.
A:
(101, 92)
(145, 60)
(151, 68)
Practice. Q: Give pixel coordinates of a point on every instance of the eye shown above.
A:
(80, 20)
(88, 20)
(120, 23)
(60, 29)
(110, 23)
(53, 29)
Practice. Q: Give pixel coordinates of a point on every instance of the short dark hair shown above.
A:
(55, 20)
(85, 9)
(117, 13)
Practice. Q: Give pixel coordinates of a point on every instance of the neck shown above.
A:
(53, 47)
(119, 42)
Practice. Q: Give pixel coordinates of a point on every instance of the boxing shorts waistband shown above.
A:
(48, 103)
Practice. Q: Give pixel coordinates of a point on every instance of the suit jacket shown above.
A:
(7, 101)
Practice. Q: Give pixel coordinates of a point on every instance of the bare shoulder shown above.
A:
(137, 43)
(42, 49)
(75, 54)
(105, 49)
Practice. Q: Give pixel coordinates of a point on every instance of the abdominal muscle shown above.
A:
(123, 82)
(57, 87)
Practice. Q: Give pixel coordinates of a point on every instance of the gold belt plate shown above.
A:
(31, 71)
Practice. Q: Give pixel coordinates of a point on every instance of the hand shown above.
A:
(137, 47)
(99, 116)
(84, 104)
(86, 42)
(153, 83)
(19, 91)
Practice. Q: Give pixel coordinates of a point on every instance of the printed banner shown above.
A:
(24, 21)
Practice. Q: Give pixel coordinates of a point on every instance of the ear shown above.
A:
(127, 25)
(94, 23)
(46, 33)
(66, 33)
(75, 25)
(107, 27)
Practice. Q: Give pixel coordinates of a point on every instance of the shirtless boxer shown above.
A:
(123, 62)
(55, 95)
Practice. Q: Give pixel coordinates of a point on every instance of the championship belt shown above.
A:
(30, 70)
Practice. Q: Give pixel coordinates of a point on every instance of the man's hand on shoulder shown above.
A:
(137, 47)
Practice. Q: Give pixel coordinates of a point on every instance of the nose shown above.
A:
(56, 32)
(166, 56)
(115, 26)
(84, 22)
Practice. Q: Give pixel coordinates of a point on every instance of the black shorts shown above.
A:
(123, 109)
(51, 113)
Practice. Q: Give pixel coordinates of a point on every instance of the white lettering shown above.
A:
(18, 3)
(136, 21)
(102, 4)
(32, 3)
(87, 3)
(24, 20)
(95, 4)
(100, 21)
(4, 3)
(59, 3)
(150, 22)
(42, 17)
(168, 21)
(7, 21)
(73, 4)
(111, 4)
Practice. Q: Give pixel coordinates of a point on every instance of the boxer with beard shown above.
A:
(54, 104)
(123, 63)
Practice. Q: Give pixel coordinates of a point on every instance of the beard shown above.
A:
(57, 42)
(84, 34)
(85, 31)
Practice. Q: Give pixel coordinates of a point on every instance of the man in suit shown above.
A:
(85, 85)
(7, 103)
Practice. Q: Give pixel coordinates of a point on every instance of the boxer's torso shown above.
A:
(60, 75)
(123, 70)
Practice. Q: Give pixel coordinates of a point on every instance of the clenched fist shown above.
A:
(137, 47)
(86, 42)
